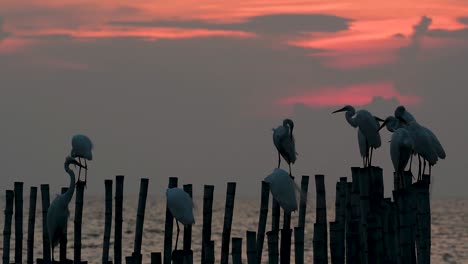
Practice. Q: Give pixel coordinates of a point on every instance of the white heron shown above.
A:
(368, 131)
(284, 142)
(429, 139)
(82, 148)
(181, 207)
(283, 189)
(401, 146)
(57, 214)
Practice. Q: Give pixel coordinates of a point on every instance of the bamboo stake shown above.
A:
(79, 200)
(31, 225)
(285, 243)
(237, 250)
(299, 245)
(63, 238)
(275, 214)
(251, 247)
(156, 258)
(303, 201)
(228, 213)
(207, 216)
(320, 243)
(272, 246)
(188, 229)
(169, 226)
(9, 199)
(18, 222)
(265, 197)
(118, 219)
(45, 237)
(108, 221)
(210, 254)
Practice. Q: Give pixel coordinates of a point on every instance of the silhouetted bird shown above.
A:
(181, 207)
(82, 148)
(284, 142)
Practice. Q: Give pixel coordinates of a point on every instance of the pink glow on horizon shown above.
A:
(359, 95)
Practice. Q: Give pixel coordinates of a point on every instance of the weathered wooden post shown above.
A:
(137, 257)
(228, 213)
(18, 222)
(118, 219)
(299, 245)
(64, 240)
(402, 197)
(364, 187)
(353, 237)
(79, 199)
(320, 243)
(285, 243)
(338, 249)
(273, 253)
(188, 229)
(210, 253)
(168, 226)
(108, 221)
(389, 252)
(45, 236)
(275, 214)
(207, 216)
(375, 253)
(265, 197)
(251, 247)
(31, 223)
(9, 199)
(156, 258)
(424, 220)
(334, 251)
(236, 250)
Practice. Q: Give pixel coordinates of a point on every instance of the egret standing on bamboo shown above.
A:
(82, 148)
(181, 207)
(57, 214)
(368, 131)
(284, 142)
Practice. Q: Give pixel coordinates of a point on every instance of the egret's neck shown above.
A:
(71, 189)
(349, 117)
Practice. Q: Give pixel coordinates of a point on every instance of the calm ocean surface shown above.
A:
(449, 227)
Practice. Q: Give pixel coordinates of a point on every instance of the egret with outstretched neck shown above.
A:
(82, 147)
(285, 144)
(181, 207)
(368, 131)
(57, 214)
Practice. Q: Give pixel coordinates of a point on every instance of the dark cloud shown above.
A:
(399, 35)
(268, 24)
(444, 33)
(463, 20)
(419, 31)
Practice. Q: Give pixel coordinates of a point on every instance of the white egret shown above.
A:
(181, 207)
(284, 142)
(283, 189)
(82, 148)
(368, 131)
(57, 214)
(401, 146)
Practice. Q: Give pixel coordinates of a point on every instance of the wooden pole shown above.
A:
(188, 229)
(402, 197)
(118, 219)
(156, 258)
(237, 250)
(18, 222)
(228, 213)
(45, 236)
(79, 199)
(273, 254)
(265, 197)
(299, 245)
(303, 201)
(251, 247)
(168, 226)
(108, 221)
(140, 220)
(275, 214)
(209, 253)
(364, 186)
(320, 243)
(207, 216)
(340, 220)
(63, 239)
(285, 243)
(353, 234)
(31, 225)
(388, 232)
(9, 199)
(375, 254)
(424, 220)
(334, 251)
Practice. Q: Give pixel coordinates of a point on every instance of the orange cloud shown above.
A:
(359, 95)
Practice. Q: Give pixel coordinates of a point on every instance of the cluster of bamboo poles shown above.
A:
(367, 227)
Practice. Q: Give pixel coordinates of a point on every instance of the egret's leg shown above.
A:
(419, 171)
(410, 161)
(290, 173)
(430, 167)
(86, 171)
(424, 169)
(178, 231)
(364, 161)
(279, 160)
(370, 160)
(79, 170)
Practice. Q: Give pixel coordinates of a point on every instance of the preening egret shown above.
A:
(181, 207)
(283, 189)
(401, 146)
(284, 142)
(82, 147)
(57, 214)
(368, 131)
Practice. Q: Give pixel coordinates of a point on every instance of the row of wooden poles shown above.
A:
(367, 227)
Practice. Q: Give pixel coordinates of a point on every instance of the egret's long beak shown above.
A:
(383, 124)
(379, 119)
(76, 163)
(339, 110)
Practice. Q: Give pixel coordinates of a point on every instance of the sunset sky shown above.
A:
(193, 88)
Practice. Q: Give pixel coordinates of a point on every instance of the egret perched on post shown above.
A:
(57, 214)
(82, 148)
(284, 142)
(401, 146)
(283, 189)
(368, 131)
(181, 207)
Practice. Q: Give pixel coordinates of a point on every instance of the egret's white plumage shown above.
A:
(181, 207)
(368, 130)
(284, 142)
(283, 189)
(57, 214)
